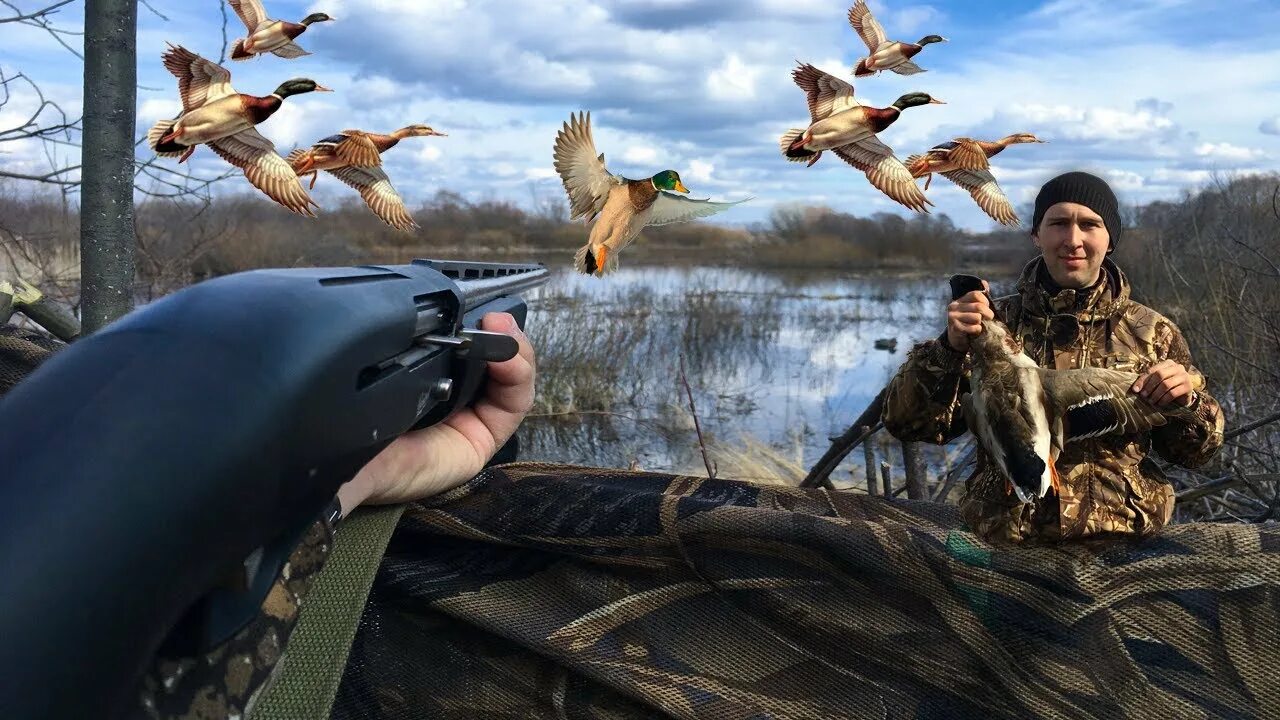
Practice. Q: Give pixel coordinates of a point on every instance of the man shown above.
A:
(1071, 309)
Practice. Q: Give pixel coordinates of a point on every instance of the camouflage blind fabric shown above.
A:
(21, 352)
(544, 591)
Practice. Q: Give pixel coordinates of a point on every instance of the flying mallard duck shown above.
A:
(214, 114)
(1023, 414)
(355, 157)
(963, 161)
(267, 35)
(848, 128)
(619, 206)
(885, 54)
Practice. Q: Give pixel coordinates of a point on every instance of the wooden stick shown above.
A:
(954, 473)
(1221, 484)
(28, 300)
(869, 453)
(917, 478)
(1252, 426)
(697, 427)
(884, 477)
(6, 302)
(844, 444)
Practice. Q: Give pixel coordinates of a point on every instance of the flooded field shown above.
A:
(776, 363)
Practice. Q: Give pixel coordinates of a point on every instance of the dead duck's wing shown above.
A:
(1090, 402)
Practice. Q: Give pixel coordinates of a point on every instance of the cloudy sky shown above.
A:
(1157, 95)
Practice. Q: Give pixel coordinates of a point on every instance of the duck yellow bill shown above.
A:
(680, 187)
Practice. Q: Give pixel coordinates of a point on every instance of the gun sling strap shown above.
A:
(307, 677)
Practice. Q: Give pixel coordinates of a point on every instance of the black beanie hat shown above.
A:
(1088, 190)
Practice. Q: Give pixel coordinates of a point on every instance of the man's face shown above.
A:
(1073, 241)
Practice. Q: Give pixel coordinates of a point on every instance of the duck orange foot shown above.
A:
(601, 256)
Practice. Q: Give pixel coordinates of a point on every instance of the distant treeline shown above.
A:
(181, 241)
(1216, 246)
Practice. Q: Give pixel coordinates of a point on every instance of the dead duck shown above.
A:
(1023, 414)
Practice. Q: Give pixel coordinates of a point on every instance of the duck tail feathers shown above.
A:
(158, 131)
(788, 145)
(584, 261)
(238, 51)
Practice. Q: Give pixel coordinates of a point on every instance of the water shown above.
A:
(780, 360)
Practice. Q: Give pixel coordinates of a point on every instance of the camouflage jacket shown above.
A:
(1110, 485)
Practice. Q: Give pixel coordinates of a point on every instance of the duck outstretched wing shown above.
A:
(1090, 402)
(582, 169)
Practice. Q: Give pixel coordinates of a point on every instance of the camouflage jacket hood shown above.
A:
(1110, 485)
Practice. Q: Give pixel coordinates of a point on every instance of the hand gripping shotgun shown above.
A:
(199, 437)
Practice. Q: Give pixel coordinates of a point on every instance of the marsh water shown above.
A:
(776, 362)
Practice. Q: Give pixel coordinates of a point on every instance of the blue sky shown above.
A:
(1156, 95)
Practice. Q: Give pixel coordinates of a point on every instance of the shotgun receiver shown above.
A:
(198, 437)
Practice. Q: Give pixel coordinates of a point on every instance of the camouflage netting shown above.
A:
(21, 352)
(541, 591)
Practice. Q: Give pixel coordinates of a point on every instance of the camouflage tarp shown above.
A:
(540, 591)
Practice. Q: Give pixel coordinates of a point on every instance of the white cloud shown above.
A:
(913, 19)
(1124, 180)
(1227, 151)
(734, 80)
(640, 154)
(1092, 123)
(1270, 126)
(1172, 176)
(429, 153)
(699, 171)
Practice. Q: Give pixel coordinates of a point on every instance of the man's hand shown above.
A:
(425, 462)
(1164, 384)
(964, 317)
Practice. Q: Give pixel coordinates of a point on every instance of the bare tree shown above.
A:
(110, 85)
(106, 198)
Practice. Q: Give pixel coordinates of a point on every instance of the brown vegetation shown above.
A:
(179, 242)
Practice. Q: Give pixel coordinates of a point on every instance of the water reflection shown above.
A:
(784, 358)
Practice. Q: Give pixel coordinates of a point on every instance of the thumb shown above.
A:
(501, 322)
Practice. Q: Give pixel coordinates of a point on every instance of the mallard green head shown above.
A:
(914, 99)
(297, 86)
(931, 39)
(669, 180)
(315, 18)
